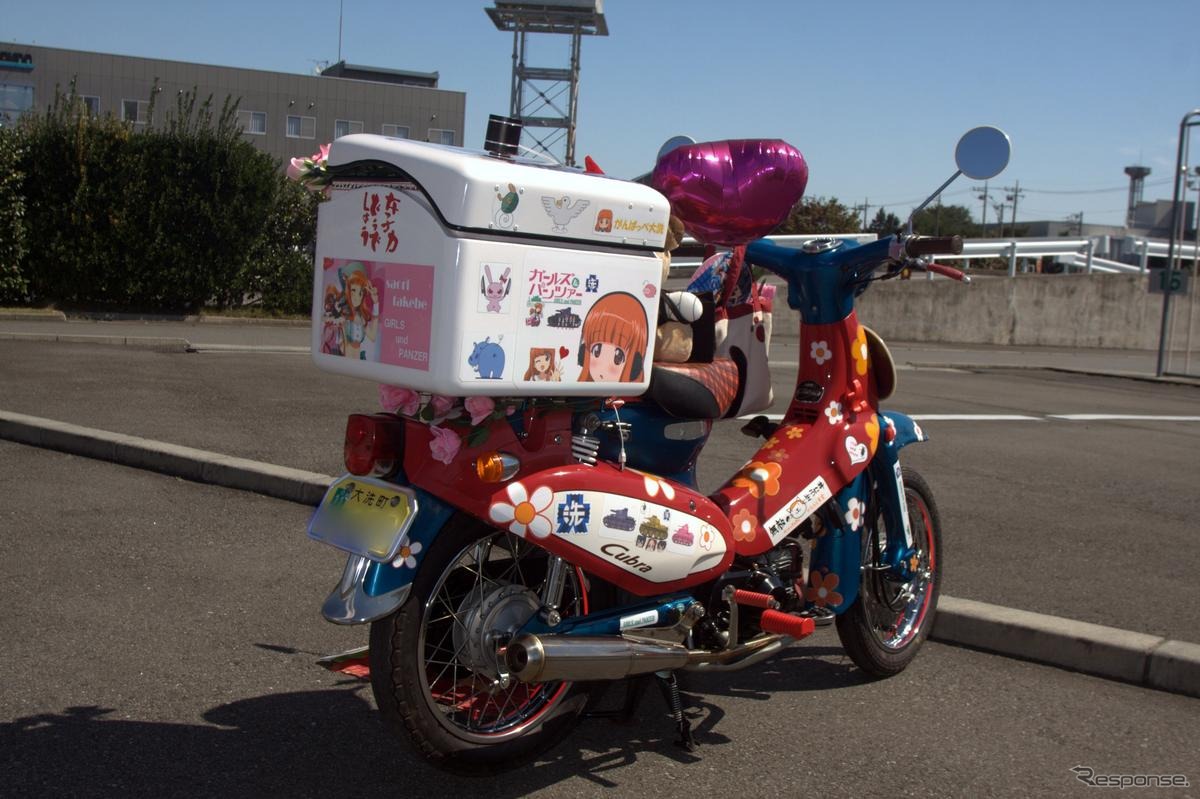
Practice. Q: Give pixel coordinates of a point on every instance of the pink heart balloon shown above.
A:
(729, 193)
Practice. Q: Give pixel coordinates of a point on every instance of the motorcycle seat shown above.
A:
(694, 390)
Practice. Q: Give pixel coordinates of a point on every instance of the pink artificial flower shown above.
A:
(403, 401)
(444, 445)
(322, 155)
(480, 408)
(442, 405)
(295, 169)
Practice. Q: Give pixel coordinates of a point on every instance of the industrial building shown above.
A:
(283, 114)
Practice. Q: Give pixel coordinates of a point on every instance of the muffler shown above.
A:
(547, 658)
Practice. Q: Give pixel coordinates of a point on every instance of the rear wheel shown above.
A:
(435, 667)
(890, 619)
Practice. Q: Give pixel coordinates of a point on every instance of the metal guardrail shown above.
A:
(1077, 252)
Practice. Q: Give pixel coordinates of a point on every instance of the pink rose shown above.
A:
(444, 445)
(295, 169)
(322, 155)
(442, 405)
(480, 408)
(403, 401)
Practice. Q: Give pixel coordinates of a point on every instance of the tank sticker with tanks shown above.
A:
(649, 539)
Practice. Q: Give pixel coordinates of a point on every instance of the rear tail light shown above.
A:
(373, 444)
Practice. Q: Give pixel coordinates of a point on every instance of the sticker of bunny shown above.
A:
(494, 291)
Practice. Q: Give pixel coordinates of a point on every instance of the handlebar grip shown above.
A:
(933, 245)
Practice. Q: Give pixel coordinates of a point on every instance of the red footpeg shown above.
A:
(754, 599)
(786, 624)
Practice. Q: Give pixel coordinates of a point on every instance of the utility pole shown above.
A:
(1015, 194)
(983, 216)
(864, 208)
(1077, 221)
(999, 209)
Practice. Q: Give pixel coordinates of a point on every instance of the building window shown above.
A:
(441, 136)
(301, 127)
(344, 127)
(395, 131)
(253, 122)
(90, 103)
(15, 100)
(135, 111)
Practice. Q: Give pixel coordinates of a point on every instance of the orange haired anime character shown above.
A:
(360, 320)
(542, 366)
(613, 346)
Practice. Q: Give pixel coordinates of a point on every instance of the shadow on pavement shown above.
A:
(333, 742)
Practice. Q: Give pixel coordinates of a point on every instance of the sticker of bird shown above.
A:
(562, 211)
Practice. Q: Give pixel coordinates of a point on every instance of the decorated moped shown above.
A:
(513, 555)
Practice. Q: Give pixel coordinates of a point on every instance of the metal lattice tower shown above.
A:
(1137, 178)
(538, 92)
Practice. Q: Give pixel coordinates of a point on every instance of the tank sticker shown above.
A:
(803, 505)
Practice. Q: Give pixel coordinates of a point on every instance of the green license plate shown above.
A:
(364, 516)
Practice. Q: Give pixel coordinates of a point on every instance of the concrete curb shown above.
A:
(141, 342)
(31, 315)
(1146, 660)
(198, 465)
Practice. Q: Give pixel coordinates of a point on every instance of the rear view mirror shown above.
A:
(982, 152)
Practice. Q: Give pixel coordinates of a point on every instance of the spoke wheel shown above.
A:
(437, 665)
(891, 618)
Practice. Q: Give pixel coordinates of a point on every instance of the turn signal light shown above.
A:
(496, 467)
(373, 443)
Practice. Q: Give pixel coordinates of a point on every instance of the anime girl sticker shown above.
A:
(613, 346)
(331, 322)
(542, 366)
(360, 309)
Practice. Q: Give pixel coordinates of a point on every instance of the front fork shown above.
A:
(878, 492)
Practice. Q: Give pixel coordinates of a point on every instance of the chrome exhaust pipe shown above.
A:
(547, 658)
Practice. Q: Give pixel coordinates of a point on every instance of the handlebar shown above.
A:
(917, 246)
(948, 271)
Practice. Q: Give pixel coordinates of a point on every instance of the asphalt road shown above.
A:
(1089, 520)
(159, 635)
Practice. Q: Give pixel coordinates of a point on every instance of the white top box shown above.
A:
(459, 273)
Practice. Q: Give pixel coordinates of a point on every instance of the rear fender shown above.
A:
(370, 590)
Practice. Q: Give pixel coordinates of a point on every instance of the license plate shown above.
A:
(364, 516)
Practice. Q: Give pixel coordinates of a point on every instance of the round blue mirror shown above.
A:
(983, 152)
(673, 143)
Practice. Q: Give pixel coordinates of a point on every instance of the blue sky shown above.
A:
(875, 94)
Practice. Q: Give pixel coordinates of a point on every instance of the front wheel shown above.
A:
(890, 619)
(435, 667)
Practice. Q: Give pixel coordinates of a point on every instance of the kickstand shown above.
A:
(670, 688)
(635, 688)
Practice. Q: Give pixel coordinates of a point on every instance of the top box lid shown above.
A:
(475, 191)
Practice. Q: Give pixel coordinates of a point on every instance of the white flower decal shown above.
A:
(854, 513)
(525, 512)
(405, 556)
(707, 536)
(820, 352)
(920, 433)
(654, 485)
(834, 413)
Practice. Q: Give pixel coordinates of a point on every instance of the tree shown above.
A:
(12, 219)
(884, 223)
(819, 215)
(945, 220)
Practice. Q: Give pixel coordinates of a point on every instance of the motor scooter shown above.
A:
(571, 548)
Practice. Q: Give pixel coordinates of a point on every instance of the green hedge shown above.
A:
(13, 286)
(181, 216)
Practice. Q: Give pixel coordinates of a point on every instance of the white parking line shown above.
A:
(1105, 417)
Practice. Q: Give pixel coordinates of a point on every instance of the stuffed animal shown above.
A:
(677, 311)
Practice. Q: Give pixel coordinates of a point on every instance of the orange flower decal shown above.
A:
(873, 433)
(779, 455)
(760, 478)
(745, 525)
(795, 432)
(821, 591)
(858, 351)
(771, 442)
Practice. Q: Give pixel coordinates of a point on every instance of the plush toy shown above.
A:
(678, 310)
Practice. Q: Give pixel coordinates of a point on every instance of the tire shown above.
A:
(882, 631)
(430, 672)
